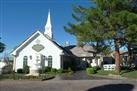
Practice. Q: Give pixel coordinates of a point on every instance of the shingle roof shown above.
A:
(85, 51)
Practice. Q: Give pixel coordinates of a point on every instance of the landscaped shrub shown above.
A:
(47, 69)
(41, 71)
(60, 70)
(30, 77)
(26, 69)
(20, 71)
(53, 70)
(96, 68)
(90, 71)
(70, 70)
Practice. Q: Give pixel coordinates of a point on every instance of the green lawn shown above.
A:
(103, 72)
(124, 73)
(131, 74)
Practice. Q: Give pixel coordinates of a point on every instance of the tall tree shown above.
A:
(126, 19)
(84, 32)
(108, 20)
(130, 35)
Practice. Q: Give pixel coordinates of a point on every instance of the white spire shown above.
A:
(48, 27)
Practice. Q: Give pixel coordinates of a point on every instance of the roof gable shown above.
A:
(25, 42)
(30, 39)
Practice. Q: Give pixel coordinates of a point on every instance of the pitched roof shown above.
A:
(30, 39)
(85, 51)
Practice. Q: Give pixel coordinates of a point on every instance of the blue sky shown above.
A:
(20, 18)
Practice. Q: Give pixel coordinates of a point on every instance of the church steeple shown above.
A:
(48, 27)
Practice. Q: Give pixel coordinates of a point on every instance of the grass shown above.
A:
(130, 74)
(123, 73)
(103, 72)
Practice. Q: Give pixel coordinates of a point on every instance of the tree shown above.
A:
(108, 20)
(84, 32)
(130, 35)
(126, 20)
(2, 47)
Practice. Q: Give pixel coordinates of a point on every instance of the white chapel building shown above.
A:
(39, 50)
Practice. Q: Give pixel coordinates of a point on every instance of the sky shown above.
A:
(20, 18)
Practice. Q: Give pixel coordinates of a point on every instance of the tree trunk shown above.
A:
(129, 59)
(117, 57)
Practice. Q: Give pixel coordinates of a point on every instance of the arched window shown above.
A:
(25, 58)
(25, 61)
(25, 65)
(49, 61)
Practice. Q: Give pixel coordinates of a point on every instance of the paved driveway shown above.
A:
(69, 85)
(82, 75)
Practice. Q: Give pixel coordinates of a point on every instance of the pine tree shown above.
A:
(108, 21)
(2, 47)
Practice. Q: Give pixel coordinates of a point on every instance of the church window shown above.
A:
(25, 58)
(44, 57)
(43, 62)
(50, 61)
(25, 65)
(30, 57)
(25, 61)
